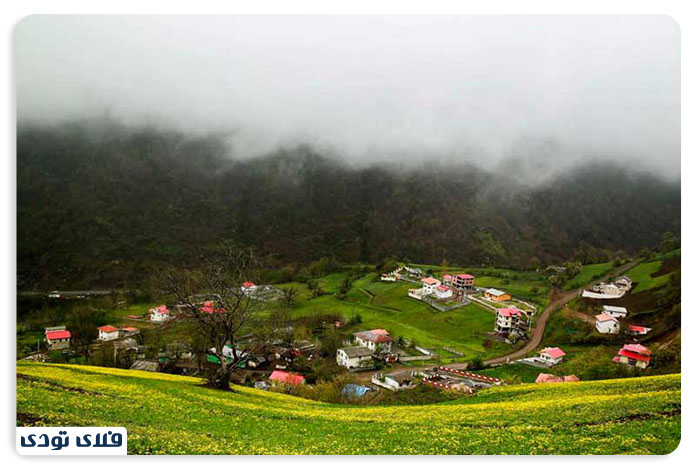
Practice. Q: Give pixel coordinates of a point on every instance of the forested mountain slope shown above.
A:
(104, 205)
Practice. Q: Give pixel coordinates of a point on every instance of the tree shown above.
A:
(82, 322)
(289, 295)
(219, 278)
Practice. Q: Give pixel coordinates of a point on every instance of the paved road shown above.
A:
(557, 301)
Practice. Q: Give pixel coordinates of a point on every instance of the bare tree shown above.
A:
(222, 318)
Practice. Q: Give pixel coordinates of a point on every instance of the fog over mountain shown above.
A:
(529, 94)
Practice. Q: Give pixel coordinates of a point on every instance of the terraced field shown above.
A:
(167, 414)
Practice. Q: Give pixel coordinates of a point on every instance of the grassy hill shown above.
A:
(176, 415)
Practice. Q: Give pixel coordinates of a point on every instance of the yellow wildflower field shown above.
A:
(166, 414)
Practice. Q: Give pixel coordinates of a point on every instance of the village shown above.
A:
(372, 360)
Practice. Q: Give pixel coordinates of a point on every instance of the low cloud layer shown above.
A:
(545, 90)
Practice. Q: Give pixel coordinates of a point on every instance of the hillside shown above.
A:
(103, 205)
(176, 415)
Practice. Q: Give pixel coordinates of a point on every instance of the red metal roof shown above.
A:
(465, 276)
(287, 377)
(430, 280)
(443, 288)
(637, 348)
(637, 329)
(605, 318)
(108, 329)
(509, 312)
(57, 335)
(160, 309)
(636, 356)
(248, 284)
(555, 353)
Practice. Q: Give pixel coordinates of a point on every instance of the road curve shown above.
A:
(558, 300)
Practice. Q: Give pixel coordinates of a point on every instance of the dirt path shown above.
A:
(558, 300)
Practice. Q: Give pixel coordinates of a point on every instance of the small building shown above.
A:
(638, 330)
(463, 281)
(108, 333)
(606, 324)
(127, 331)
(624, 283)
(429, 285)
(279, 377)
(159, 313)
(355, 391)
(395, 381)
(443, 292)
(552, 356)
(386, 277)
(615, 311)
(208, 307)
(497, 295)
(447, 280)
(634, 355)
(550, 378)
(608, 289)
(354, 357)
(508, 319)
(377, 340)
(57, 338)
(249, 288)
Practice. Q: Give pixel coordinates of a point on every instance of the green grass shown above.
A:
(167, 414)
(386, 305)
(587, 274)
(641, 274)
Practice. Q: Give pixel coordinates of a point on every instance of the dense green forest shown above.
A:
(107, 205)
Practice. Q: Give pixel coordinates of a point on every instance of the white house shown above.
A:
(353, 357)
(443, 292)
(624, 282)
(159, 313)
(606, 324)
(108, 333)
(386, 277)
(249, 288)
(552, 356)
(615, 311)
(430, 284)
(395, 381)
(377, 340)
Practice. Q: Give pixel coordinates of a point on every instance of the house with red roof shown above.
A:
(248, 287)
(286, 378)
(447, 280)
(129, 330)
(635, 355)
(509, 319)
(606, 324)
(209, 308)
(638, 330)
(108, 333)
(552, 356)
(159, 313)
(57, 338)
(443, 292)
(463, 282)
(377, 340)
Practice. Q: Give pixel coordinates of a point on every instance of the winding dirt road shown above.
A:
(558, 300)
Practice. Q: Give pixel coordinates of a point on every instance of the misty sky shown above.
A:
(481, 88)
